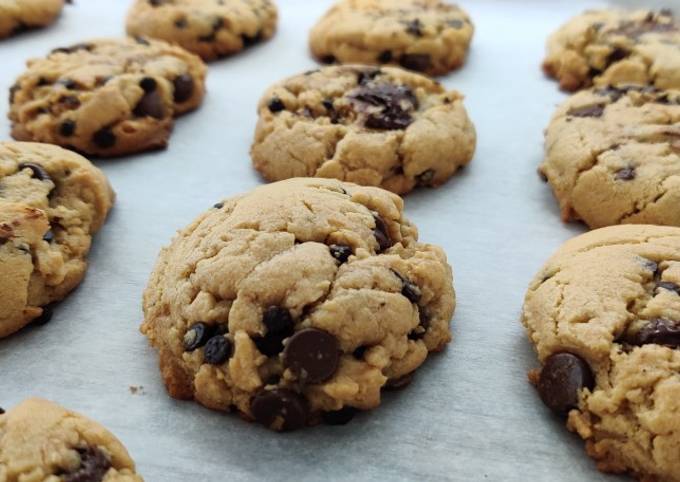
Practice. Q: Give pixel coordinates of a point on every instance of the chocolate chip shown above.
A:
(67, 128)
(382, 234)
(37, 171)
(340, 252)
(70, 101)
(280, 409)
(217, 350)
(94, 464)
(197, 336)
(667, 285)
(395, 102)
(339, 417)
(359, 352)
(104, 138)
(587, 111)
(68, 83)
(277, 320)
(151, 105)
(411, 291)
(72, 48)
(419, 332)
(249, 41)
(625, 174)
(184, 88)
(455, 23)
(271, 344)
(650, 265)
(312, 354)
(276, 105)
(417, 62)
(562, 378)
(399, 383)
(385, 57)
(659, 332)
(617, 55)
(415, 27)
(42, 81)
(425, 178)
(2, 411)
(48, 236)
(148, 84)
(181, 23)
(45, 317)
(328, 59)
(156, 3)
(141, 40)
(218, 205)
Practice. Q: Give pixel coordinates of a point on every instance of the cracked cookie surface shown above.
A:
(106, 97)
(51, 203)
(372, 126)
(209, 28)
(298, 302)
(613, 156)
(429, 36)
(19, 15)
(41, 441)
(610, 47)
(604, 316)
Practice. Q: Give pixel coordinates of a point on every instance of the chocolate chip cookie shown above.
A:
(209, 28)
(106, 97)
(428, 36)
(19, 15)
(297, 303)
(51, 203)
(373, 126)
(613, 156)
(616, 46)
(41, 441)
(604, 315)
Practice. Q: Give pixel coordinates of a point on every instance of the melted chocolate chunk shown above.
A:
(587, 111)
(313, 355)
(417, 62)
(395, 104)
(184, 88)
(280, 408)
(658, 332)
(37, 171)
(382, 234)
(562, 379)
(150, 105)
(67, 128)
(94, 464)
(104, 138)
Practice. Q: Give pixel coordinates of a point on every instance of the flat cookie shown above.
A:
(604, 315)
(428, 36)
(106, 97)
(51, 203)
(377, 127)
(19, 15)
(41, 441)
(611, 47)
(613, 156)
(297, 303)
(209, 28)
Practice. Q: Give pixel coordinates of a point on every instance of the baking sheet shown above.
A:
(469, 414)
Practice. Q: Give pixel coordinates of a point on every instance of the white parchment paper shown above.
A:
(470, 413)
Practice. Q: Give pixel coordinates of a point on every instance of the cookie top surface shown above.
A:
(310, 294)
(609, 47)
(613, 156)
(209, 28)
(39, 440)
(372, 126)
(428, 36)
(51, 203)
(610, 300)
(106, 97)
(19, 15)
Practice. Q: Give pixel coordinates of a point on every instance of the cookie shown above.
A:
(613, 156)
(19, 15)
(610, 47)
(51, 203)
(297, 303)
(604, 316)
(106, 97)
(209, 28)
(39, 440)
(373, 126)
(428, 36)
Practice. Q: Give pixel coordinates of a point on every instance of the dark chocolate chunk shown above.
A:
(411, 291)
(417, 62)
(37, 171)
(184, 87)
(104, 138)
(249, 41)
(280, 409)
(617, 54)
(587, 111)
(385, 57)
(562, 378)
(2, 411)
(396, 102)
(382, 233)
(197, 336)
(340, 252)
(67, 128)
(156, 3)
(339, 417)
(419, 332)
(366, 76)
(217, 350)
(94, 464)
(312, 354)
(625, 174)
(150, 105)
(218, 205)
(148, 84)
(276, 105)
(359, 352)
(328, 59)
(659, 332)
(277, 320)
(45, 317)
(68, 83)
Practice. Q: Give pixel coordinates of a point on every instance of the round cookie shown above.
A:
(373, 126)
(609, 47)
(19, 15)
(51, 203)
(604, 316)
(613, 156)
(298, 302)
(209, 28)
(39, 440)
(106, 97)
(428, 36)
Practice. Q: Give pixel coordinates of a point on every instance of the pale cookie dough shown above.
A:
(51, 203)
(373, 126)
(209, 28)
(428, 36)
(19, 15)
(106, 97)
(604, 315)
(43, 442)
(298, 302)
(609, 47)
(613, 156)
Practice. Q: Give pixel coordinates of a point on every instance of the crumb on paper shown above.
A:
(137, 389)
